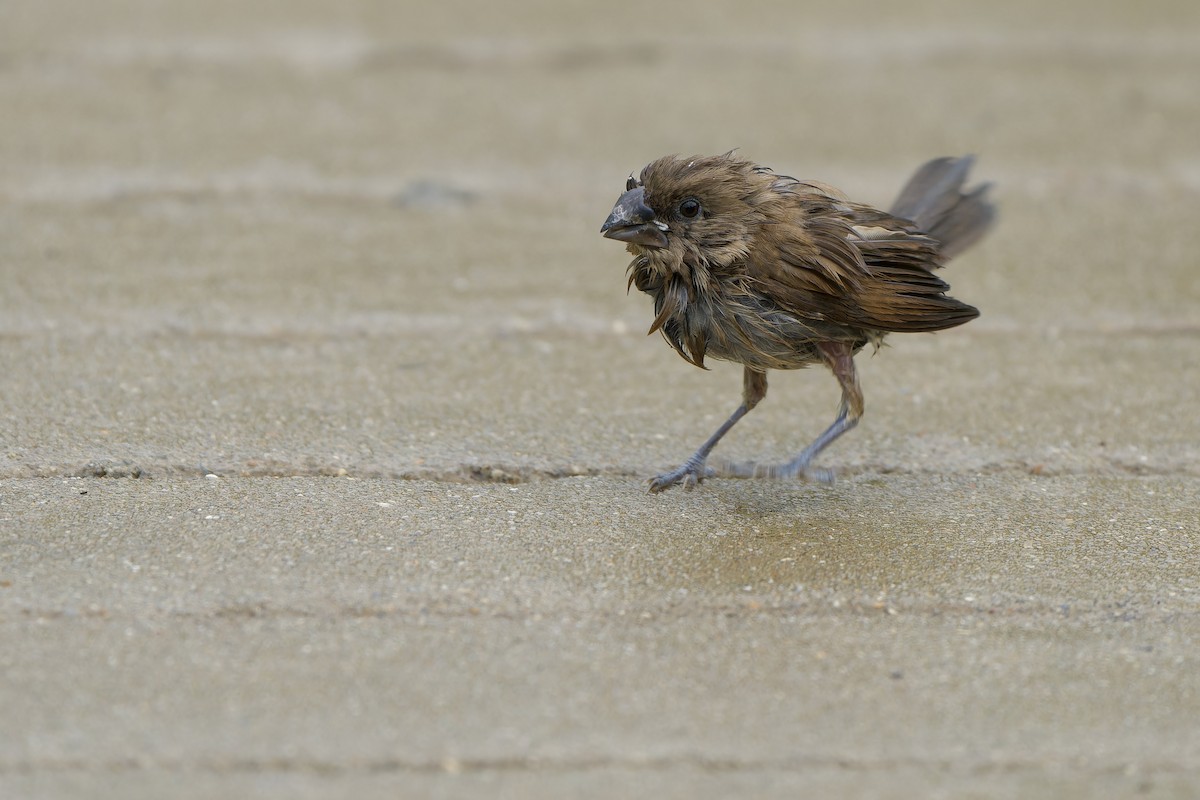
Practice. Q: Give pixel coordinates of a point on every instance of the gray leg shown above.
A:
(839, 356)
(693, 471)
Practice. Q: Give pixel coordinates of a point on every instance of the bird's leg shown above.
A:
(693, 471)
(839, 356)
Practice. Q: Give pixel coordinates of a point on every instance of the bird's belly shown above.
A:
(749, 330)
(763, 349)
(757, 336)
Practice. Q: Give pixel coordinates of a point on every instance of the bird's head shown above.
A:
(703, 206)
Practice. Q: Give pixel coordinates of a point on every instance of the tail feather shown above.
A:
(934, 199)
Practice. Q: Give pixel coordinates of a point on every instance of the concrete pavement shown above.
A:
(325, 415)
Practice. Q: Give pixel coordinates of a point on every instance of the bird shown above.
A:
(774, 273)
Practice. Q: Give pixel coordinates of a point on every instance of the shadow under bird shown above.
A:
(772, 272)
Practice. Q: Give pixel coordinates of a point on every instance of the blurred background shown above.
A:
(269, 179)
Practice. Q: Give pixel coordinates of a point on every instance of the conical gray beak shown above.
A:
(633, 221)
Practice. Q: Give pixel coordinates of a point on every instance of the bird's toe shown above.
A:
(687, 475)
(818, 475)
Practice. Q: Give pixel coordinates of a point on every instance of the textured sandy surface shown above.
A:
(324, 415)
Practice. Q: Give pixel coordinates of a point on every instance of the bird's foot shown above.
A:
(690, 473)
(807, 473)
(789, 471)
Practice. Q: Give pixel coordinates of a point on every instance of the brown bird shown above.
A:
(775, 273)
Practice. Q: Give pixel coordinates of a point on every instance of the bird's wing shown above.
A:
(852, 265)
(902, 293)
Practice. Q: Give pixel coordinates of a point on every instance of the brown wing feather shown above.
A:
(854, 266)
(902, 293)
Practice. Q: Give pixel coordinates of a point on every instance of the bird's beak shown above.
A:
(633, 221)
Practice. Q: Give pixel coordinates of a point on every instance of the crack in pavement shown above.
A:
(508, 473)
(705, 762)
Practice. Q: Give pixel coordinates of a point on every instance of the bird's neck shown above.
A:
(653, 271)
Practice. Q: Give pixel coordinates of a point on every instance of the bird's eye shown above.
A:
(630, 183)
(689, 208)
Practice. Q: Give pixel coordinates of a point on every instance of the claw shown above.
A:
(688, 474)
